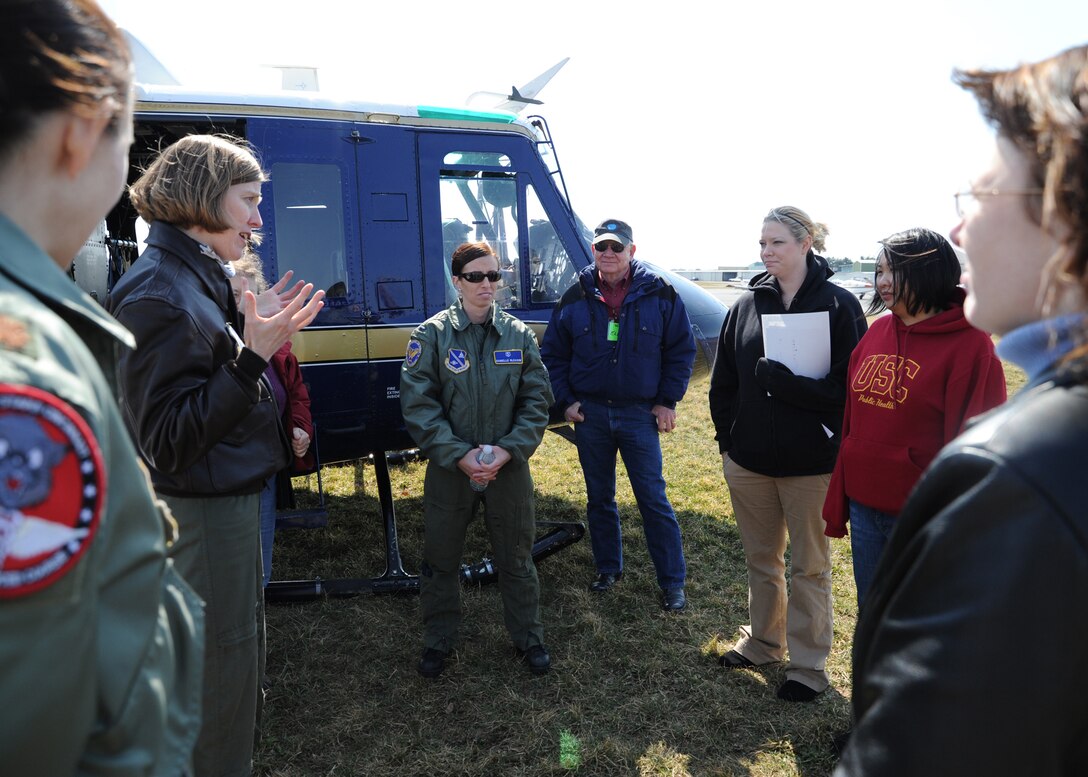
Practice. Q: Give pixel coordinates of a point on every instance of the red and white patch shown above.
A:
(52, 488)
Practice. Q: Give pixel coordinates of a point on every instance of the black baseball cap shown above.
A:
(613, 229)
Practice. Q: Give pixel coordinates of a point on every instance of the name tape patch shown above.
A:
(508, 357)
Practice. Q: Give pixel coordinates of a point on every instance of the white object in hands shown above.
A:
(485, 456)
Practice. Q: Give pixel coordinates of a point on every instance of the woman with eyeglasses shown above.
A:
(968, 653)
(915, 379)
(475, 397)
(778, 433)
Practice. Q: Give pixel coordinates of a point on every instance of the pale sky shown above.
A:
(688, 124)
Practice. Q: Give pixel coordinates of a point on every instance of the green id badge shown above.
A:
(613, 331)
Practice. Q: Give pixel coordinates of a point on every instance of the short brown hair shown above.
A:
(1042, 108)
(185, 185)
(469, 252)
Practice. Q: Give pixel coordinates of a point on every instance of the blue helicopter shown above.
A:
(367, 201)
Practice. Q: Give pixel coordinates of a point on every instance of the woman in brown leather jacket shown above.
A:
(201, 413)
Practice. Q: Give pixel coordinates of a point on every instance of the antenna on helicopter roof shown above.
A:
(516, 96)
(299, 79)
(516, 101)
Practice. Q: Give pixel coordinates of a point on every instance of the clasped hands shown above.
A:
(483, 473)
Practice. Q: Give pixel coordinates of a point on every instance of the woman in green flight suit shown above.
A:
(472, 376)
(100, 638)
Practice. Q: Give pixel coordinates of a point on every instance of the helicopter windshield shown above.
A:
(480, 203)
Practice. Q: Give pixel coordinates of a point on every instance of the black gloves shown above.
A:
(768, 372)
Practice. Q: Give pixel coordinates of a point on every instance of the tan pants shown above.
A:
(766, 509)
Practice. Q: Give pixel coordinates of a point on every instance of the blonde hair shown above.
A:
(799, 224)
(248, 265)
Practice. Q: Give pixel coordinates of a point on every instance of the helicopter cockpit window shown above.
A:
(481, 205)
(310, 225)
(551, 271)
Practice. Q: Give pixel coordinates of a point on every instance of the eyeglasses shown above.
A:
(478, 277)
(967, 200)
(605, 245)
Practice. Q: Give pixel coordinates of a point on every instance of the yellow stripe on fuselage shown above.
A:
(344, 344)
(340, 344)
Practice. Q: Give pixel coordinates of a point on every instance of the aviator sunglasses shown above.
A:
(478, 277)
(604, 245)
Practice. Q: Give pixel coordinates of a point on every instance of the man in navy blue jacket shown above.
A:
(620, 351)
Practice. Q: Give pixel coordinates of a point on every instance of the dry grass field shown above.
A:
(633, 690)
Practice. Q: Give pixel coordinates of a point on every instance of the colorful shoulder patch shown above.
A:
(508, 357)
(52, 488)
(457, 360)
(411, 356)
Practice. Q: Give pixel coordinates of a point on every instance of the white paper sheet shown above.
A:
(801, 341)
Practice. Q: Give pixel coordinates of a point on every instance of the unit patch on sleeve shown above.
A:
(14, 335)
(508, 357)
(457, 360)
(411, 356)
(51, 489)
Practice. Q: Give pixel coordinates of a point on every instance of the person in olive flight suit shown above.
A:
(472, 376)
(100, 638)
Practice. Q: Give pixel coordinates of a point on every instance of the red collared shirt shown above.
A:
(613, 294)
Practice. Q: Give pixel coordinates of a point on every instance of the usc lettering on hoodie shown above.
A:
(911, 390)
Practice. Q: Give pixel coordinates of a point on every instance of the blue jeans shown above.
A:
(869, 533)
(632, 431)
(268, 526)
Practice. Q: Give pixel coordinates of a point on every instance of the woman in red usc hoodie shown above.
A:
(915, 379)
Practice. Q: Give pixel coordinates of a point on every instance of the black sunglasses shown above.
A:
(478, 277)
(604, 245)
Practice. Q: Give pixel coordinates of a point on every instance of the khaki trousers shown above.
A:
(800, 622)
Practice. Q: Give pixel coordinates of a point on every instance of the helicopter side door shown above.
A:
(340, 210)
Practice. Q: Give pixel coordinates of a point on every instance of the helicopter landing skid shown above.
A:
(395, 579)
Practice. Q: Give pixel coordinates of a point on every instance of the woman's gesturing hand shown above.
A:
(265, 334)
